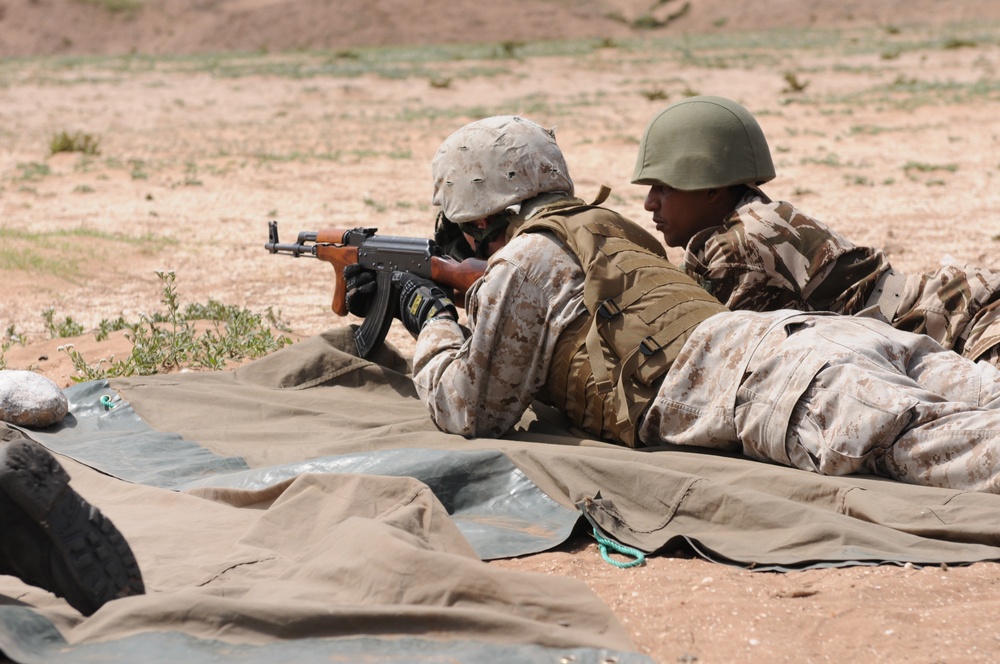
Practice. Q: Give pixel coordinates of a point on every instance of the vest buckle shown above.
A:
(608, 309)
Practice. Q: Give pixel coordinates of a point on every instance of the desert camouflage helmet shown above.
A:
(489, 165)
(702, 143)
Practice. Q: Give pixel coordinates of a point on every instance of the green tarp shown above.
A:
(306, 501)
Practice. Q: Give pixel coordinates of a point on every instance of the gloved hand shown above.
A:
(421, 300)
(360, 288)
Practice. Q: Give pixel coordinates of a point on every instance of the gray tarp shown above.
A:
(306, 502)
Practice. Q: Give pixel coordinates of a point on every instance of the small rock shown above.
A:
(31, 400)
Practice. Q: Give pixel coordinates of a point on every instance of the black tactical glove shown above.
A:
(421, 300)
(360, 288)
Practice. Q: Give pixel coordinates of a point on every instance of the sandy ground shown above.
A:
(888, 134)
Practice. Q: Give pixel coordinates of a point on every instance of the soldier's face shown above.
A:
(678, 215)
(494, 245)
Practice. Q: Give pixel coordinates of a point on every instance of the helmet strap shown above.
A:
(483, 236)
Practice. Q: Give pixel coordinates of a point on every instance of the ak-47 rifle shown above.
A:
(382, 254)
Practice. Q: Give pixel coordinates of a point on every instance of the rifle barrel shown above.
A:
(295, 250)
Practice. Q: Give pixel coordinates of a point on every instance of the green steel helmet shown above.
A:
(489, 165)
(703, 143)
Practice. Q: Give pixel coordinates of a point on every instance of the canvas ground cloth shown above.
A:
(305, 508)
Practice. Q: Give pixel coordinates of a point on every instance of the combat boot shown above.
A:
(52, 538)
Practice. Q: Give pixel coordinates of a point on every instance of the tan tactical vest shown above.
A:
(609, 364)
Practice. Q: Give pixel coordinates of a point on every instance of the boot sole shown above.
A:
(94, 563)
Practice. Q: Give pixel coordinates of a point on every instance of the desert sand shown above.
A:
(213, 118)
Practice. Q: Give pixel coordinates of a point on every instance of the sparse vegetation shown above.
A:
(508, 49)
(203, 336)
(10, 338)
(61, 329)
(33, 171)
(922, 167)
(793, 84)
(59, 253)
(650, 22)
(78, 142)
(868, 130)
(831, 160)
(911, 168)
(116, 6)
(955, 42)
(655, 68)
(316, 133)
(191, 175)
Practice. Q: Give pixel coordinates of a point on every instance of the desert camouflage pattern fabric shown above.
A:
(835, 395)
(768, 255)
(829, 394)
(479, 383)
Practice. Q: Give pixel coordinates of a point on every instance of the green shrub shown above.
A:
(172, 340)
(78, 142)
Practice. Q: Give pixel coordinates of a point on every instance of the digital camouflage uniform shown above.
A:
(829, 394)
(769, 255)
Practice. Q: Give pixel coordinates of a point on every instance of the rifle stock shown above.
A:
(383, 254)
(457, 275)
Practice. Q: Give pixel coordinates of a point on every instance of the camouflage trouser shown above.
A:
(880, 401)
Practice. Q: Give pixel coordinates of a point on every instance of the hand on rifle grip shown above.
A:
(360, 289)
(421, 300)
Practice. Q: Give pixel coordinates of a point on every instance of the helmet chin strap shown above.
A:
(482, 246)
(483, 236)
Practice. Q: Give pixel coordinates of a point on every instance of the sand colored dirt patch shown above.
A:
(889, 135)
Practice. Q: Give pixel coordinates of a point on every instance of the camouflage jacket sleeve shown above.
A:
(768, 256)
(481, 384)
(958, 306)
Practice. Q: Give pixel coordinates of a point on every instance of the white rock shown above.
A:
(31, 400)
